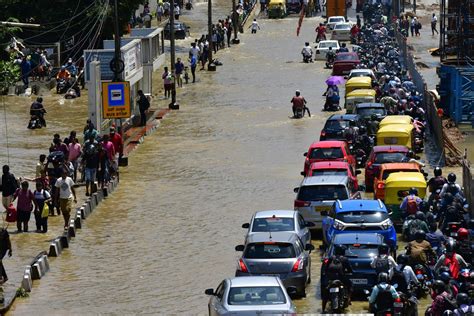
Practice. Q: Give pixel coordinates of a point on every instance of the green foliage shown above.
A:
(9, 74)
(20, 292)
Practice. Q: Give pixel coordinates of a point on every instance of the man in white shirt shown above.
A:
(194, 51)
(434, 21)
(66, 194)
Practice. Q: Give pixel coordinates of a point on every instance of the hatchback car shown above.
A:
(341, 32)
(378, 156)
(328, 150)
(350, 216)
(181, 30)
(323, 47)
(361, 248)
(250, 295)
(280, 254)
(336, 124)
(318, 193)
(366, 110)
(333, 20)
(334, 168)
(279, 221)
(344, 63)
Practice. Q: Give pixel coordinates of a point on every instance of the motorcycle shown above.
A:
(424, 280)
(307, 58)
(35, 122)
(330, 62)
(332, 104)
(62, 86)
(337, 297)
(299, 113)
(452, 228)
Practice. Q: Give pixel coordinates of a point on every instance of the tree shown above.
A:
(9, 74)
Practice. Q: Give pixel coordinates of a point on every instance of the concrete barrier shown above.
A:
(95, 197)
(65, 238)
(84, 210)
(71, 230)
(40, 268)
(78, 219)
(55, 248)
(27, 282)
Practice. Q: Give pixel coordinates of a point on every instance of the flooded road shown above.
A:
(169, 230)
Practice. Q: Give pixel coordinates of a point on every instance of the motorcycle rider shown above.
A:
(372, 125)
(438, 181)
(441, 300)
(416, 225)
(307, 53)
(411, 157)
(330, 57)
(343, 48)
(63, 75)
(332, 97)
(436, 238)
(336, 268)
(383, 295)
(451, 187)
(299, 102)
(411, 203)
(463, 245)
(465, 305)
(452, 260)
(383, 262)
(403, 274)
(451, 285)
(419, 249)
(320, 33)
(37, 109)
(71, 67)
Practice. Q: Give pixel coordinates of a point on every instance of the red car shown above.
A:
(344, 63)
(328, 150)
(332, 168)
(380, 155)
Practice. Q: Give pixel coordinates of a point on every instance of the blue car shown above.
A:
(361, 248)
(351, 216)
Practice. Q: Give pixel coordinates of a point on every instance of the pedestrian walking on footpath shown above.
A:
(417, 27)
(117, 141)
(42, 198)
(90, 160)
(412, 26)
(67, 195)
(254, 26)
(434, 21)
(24, 206)
(229, 30)
(144, 104)
(263, 5)
(75, 151)
(193, 65)
(166, 76)
(5, 246)
(177, 11)
(178, 70)
(8, 186)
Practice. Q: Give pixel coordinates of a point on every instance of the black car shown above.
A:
(336, 124)
(365, 110)
(181, 30)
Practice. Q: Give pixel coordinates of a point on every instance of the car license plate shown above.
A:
(397, 304)
(334, 290)
(322, 208)
(454, 234)
(359, 281)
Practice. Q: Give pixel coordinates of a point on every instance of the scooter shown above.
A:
(337, 297)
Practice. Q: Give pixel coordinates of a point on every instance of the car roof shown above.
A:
(359, 80)
(277, 213)
(344, 117)
(370, 105)
(390, 148)
(356, 205)
(329, 165)
(245, 281)
(362, 70)
(408, 178)
(361, 238)
(362, 93)
(284, 237)
(329, 41)
(400, 165)
(327, 144)
(325, 180)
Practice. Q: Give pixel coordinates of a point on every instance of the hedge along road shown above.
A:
(170, 229)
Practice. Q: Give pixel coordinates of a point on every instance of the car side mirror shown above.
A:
(390, 213)
(305, 154)
(209, 292)
(309, 224)
(246, 225)
(239, 248)
(309, 247)
(296, 190)
(324, 213)
(291, 290)
(302, 173)
(358, 172)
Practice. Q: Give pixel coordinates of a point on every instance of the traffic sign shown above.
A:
(116, 100)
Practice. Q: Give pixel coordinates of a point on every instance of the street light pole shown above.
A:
(117, 54)
(210, 65)
(173, 104)
(235, 17)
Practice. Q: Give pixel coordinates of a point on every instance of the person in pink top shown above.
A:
(24, 206)
(108, 147)
(75, 151)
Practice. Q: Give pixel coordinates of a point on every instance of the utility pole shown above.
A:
(116, 64)
(235, 17)
(210, 65)
(173, 105)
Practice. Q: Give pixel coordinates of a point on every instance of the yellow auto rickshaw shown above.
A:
(396, 134)
(396, 119)
(356, 83)
(276, 9)
(397, 186)
(358, 96)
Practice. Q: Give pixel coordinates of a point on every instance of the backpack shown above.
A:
(399, 278)
(412, 206)
(382, 264)
(415, 225)
(384, 298)
(335, 267)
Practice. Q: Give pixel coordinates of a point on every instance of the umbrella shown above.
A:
(335, 80)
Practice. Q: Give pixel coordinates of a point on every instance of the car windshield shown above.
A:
(327, 153)
(329, 172)
(361, 251)
(273, 224)
(366, 112)
(336, 20)
(269, 250)
(360, 74)
(386, 173)
(327, 44)
(322, 192)
(346, 57)
(265, 295)
(359, 217)
(389, 157)
(336, 125)
(342, 27)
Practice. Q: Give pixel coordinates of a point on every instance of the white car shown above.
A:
(333, 20)
(361, 73)
(323, 47)
(341, 32)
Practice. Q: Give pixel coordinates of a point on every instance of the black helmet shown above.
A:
(438, 171)
(439, 286)
(402, 259)
(444, 269)
(306, 43)
(448, 313)
(383, 249)
(451, 177)
(411, 154)
(420, 215)
(420, 235)
(383, 277)
(462, 299)
(450, 245)
(39, 99)
(413, 191)
(445, 277)
(339, 250)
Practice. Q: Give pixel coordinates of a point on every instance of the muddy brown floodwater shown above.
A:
(170, 229)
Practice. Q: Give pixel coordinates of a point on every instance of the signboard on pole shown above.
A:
(116, 100)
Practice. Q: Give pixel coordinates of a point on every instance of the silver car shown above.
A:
(279, 221)
(250, 296)
(341, 32)
(279, 254)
